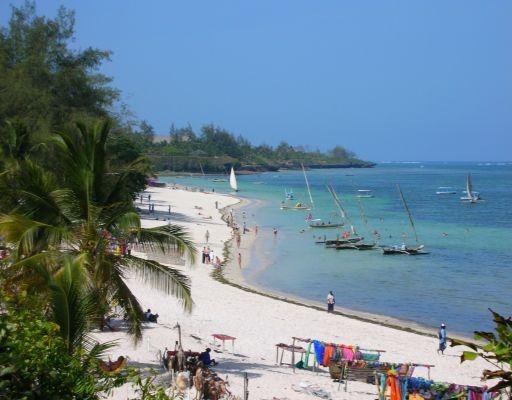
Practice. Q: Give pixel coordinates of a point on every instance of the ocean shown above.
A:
(468, 266)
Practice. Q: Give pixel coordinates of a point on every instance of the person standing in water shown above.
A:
(207, 236)
(330, 302)
(442, 339)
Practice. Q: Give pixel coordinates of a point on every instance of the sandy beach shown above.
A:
(260, 322)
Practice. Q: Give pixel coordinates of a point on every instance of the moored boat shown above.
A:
(364, 193)
(403, 249)
(318, 223)
(446, 190)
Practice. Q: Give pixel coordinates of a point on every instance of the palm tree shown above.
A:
(78, 210)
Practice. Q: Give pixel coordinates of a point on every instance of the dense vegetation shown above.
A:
(69, 171)
(215, 149)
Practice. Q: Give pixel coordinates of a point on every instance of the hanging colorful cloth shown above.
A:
(308, 352)
(319, 351)
(393, 386)
(347, 353)
(328, 354)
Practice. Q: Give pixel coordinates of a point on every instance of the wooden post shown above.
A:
(277, 355)
(293, 355)
(246, 387)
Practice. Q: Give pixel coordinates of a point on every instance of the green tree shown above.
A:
(35, 362)
(496, 350)
(78, 214)
(43, 82)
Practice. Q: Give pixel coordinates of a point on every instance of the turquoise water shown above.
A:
(468, 268)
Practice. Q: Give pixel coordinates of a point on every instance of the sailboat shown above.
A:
(470, 195)
(319, 223)
(348, 239)
(300, 205)
(232, 180)
(403, 249)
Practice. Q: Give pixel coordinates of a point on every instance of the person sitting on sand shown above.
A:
(150, 317)
(204, 357)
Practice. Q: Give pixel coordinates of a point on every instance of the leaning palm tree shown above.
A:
(78, 210)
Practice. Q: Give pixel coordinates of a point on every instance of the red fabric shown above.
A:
(328, 354)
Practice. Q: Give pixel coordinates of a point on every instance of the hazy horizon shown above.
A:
(388, 80)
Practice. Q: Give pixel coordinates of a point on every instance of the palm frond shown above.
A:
(168, 237)
(129, 303)
(163, 278)
(72, 307)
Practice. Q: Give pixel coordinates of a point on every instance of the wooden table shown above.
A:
(224, 337)
(291, 348)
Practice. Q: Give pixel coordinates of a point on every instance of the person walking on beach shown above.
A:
(330, 302)
(238, 240)
(239, 260)
(207, 236)
(204, 255)
(244, 229)
(442, 339)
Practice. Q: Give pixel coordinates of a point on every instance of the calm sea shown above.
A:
(468, 268)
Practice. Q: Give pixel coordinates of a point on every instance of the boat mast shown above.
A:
(307, 185)
(337, 201)
(200, 166)
(408, 213)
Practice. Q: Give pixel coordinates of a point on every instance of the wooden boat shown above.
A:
(366, 246)
(408, 250)
(297, 206)
(335, 242)
(403, 249)
(318, 223)
(345, 246)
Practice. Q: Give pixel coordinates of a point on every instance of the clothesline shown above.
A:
(335, 344)
(398, 387)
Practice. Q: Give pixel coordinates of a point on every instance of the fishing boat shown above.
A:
(299, 205)
(232, 180)
(445, 190)
(347, 236)
(364, 193)
(403, 248)
(318, 223)
(469, 195)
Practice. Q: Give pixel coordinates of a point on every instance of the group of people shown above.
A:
(209, 257)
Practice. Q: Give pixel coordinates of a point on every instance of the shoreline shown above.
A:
(255, 319)
(232, 275)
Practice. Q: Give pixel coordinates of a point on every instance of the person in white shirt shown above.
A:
(330, 302)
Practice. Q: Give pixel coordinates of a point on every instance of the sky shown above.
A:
(389, 80)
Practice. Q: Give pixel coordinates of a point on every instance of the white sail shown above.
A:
(232, 180)
(307, 185)
(469, 192)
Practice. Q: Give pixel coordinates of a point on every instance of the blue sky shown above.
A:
(390, 80)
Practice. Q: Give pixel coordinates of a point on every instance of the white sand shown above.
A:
(260, 322)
